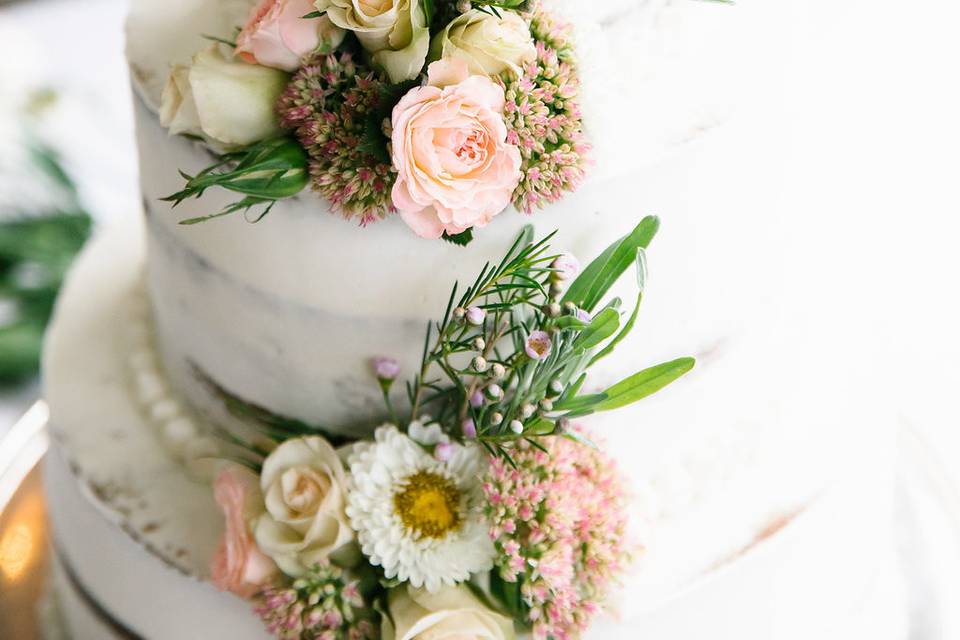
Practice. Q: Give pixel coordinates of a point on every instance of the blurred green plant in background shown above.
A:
(37, 246)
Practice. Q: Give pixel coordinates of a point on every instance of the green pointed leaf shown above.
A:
(644, 383)
(581, 403)
(539, 427)
(595, 281)
(603, 325)
(627, 328)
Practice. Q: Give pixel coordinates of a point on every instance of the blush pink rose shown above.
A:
(276, 34)
(455, 169)
(238, 565)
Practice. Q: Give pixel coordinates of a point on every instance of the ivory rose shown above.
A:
(453, 612)
(490, 45)
(395, 32)
(304, 488)
(276, 34)
(238, 565)
(455, 169)
(225, 101)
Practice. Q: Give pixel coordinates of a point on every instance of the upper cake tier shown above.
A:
(287, 312)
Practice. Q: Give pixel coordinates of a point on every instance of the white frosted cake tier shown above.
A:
(287, 312)
(749, 558)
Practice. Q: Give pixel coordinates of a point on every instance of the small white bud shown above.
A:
(480, 364)
(516, 426)
(479, 344)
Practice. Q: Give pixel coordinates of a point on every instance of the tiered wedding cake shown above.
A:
(760, 512)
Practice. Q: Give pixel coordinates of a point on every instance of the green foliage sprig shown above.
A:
(478, 377)
(263, 173)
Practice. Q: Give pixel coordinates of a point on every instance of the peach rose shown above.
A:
(455, 169)
(276, 34)
(238, 565)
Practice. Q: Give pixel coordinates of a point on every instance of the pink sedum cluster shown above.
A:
(325, 105)
(544, 117)
(558, 521)
(322, 605)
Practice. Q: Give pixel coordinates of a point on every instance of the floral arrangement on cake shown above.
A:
(445, 112)
(483, 507)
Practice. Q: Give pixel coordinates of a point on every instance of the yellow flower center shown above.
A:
(429, 505)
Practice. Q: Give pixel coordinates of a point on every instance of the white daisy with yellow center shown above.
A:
(419, 518)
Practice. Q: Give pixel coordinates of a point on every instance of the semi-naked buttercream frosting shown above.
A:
(754, 523)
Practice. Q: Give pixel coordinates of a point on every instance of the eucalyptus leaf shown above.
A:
(600, 275)
(645, 383)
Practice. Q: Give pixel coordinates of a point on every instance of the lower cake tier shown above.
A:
(780, 534)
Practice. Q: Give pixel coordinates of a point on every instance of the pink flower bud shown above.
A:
(476, 316)
(566, 267)
(469, 429)
(386, 369)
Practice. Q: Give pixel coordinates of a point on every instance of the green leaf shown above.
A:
(429, 11)
(373, 142)
(272, 170)
(508, 594)
(539, 427)
(644, 383)
(459, 239)
(595, 281)
(312, 15)
(581, 403)
(570, 322)
(627, 328)
(603, 325)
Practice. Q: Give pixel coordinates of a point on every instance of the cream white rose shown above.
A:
(304, 490)
(453, 612)
(222, 99)
(395, 32)
(488, 44)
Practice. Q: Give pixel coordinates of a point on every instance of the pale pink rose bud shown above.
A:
(476, 316)
(538, 345)
(469, 429)
(386, 369)
(443, 452)
(566, 267)
(238, 565)
(276, 34)
(455, 168)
